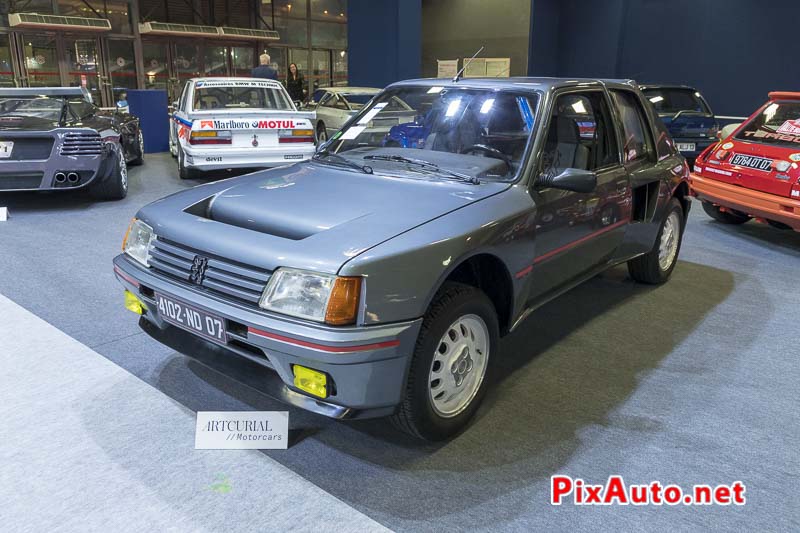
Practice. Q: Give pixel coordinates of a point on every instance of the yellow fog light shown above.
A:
(310, 381)
(134, 304)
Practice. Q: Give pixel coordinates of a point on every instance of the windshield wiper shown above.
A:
(335, 159)
(422, 163)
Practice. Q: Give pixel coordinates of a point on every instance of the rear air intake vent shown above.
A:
(247, 33)
(57, 22)
(166, 28)
(82, 143)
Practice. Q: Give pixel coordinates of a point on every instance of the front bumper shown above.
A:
(367, 365)
(754, 203)
(200, 158)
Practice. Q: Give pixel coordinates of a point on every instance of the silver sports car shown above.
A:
(336, 105)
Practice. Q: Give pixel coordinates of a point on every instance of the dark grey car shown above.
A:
(377, 278)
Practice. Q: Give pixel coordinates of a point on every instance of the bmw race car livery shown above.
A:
(223, 123)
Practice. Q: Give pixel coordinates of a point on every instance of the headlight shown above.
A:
(319, 297)
(137, 241)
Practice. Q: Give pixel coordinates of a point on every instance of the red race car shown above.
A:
(754, 172)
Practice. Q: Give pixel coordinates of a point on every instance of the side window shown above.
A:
(637, 142)
(326, 100)
(580, 134)
(81, 109)
(339, 103)
(184, 97)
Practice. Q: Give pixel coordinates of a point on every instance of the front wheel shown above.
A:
(446, 381)
(656, 266)
(726, 216)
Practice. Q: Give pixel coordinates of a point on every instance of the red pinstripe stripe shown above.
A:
(544, 257)
(323, 347)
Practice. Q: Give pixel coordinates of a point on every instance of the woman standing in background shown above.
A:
(295, 84)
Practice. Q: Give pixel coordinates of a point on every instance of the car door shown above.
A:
(181, 122)
(325, 114)
(578, 232)
(340, 112)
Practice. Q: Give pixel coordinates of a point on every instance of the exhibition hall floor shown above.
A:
(692, 382)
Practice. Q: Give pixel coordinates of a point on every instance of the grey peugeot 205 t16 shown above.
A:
(377, 278)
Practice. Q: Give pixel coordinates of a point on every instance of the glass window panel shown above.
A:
(340, 67)
(156, 74)
(243, 58)
(329, 10)
(277, 57)
(187, 62)
(293, 32)
(116, 11)
(6, 70)
(121, 66)
(44, 7)
(215, 63)
(289, 8)
(328, 35)
(320, 75)
(82, 65)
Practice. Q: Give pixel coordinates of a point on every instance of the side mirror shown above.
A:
(725, 132)
(571, 179)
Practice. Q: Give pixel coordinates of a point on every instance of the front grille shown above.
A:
(82, 143)
(223, 277)
(20, 180)
(29, 148)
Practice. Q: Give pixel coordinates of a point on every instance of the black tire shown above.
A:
(139, 159)
(647, 268)
(416, 414)
(726, 217)
(322, 133)
(115, 186)
(184, 172)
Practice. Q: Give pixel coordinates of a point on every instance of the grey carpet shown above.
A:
(692, 382)
(86, 446)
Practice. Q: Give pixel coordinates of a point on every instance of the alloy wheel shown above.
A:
(670, 237)
(459, 365)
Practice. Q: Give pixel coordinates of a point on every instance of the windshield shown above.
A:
(482, 133)
(777, 124)
(357, 101)
(670, 101)
(239, 95)
(47, 108)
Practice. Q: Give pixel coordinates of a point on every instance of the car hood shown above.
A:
(307, 215)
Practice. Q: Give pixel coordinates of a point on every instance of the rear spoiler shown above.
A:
(784, 95)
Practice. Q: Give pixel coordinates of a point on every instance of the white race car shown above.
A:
(222, 123)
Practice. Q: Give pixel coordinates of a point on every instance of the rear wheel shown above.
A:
(446, 381)
(778, 225)
(727, 216)
(184, 172)
(656, 266)
(115, 187)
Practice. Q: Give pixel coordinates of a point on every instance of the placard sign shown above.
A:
(242, 430)
(447, 68)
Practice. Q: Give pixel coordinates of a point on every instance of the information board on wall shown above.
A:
(448, 68)
(475, 68)
(498, 67)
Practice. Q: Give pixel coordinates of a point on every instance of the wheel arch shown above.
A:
(487, 272)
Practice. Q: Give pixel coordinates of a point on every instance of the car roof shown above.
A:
(222, 78)
(43, 91)
(351, 90)
(666, 86)
(531, 83)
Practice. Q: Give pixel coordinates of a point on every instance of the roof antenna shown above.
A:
(458, 74)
